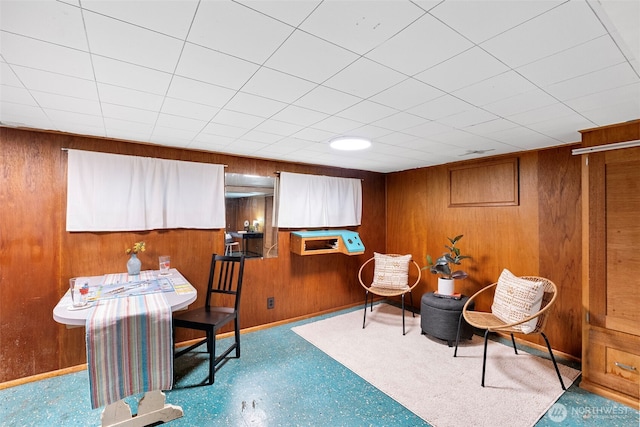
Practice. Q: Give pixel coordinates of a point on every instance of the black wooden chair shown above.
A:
(225, 284)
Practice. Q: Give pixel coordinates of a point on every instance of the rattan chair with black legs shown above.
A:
(225, 284)
(495, 321)
(390, 279)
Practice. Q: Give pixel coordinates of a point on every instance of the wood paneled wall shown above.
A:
(38, 256)
(539, 236)
(404, 212)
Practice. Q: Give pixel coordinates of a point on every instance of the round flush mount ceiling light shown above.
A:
(350, 143)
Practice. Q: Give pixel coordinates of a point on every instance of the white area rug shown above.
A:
(421, 373)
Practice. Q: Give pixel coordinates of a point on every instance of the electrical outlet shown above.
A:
(270, 302)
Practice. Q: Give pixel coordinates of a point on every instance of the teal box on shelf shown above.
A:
(326, 241)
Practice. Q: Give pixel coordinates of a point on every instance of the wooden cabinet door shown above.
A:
(614, 289)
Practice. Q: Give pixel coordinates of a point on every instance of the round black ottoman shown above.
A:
(439, 317)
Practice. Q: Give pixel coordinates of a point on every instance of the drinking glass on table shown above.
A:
(79, 292)
(165, 264)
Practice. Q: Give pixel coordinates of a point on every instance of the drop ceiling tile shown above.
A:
(597, 81)
(113, 39)
(130, 76)
(337, 125)
(563, 27)
(234, 118)
(7, 75)
(257, 136)
(124, 127)
(556, 127)
(397, 138)
(407, 94)
(18, 50)
(128, 97)
(310, 58)
(72, 120)
(592, 56)
(423, 44)
(171, 137)
(621, 111)
(519, 103)
(246, 148)
(127, 134)
(45, 81)
(440, 107)
(522, 137)
(605, 98)
(237, 30)
(494, 89)
(468, 118)
(427, 129)
(178, 107)
(481, 20)
(327, 100)
(276, 85)
(223, 130)
(24, 116)
(314, 135)
(541, 114)
(16, 95)
(290, 12)
(360, 26)
(491, 126)
(399, 121)
(278, 127)
(467, 68)
(299, 116)
(48, 21)
(66, 103)
(364, 78)
(462, 139)
(167, 17)
(255, 105)
(205, 141)
(127, 113)
(291, 144)
(367, 112)
(369, 131)
(213, 67)
(196, 91)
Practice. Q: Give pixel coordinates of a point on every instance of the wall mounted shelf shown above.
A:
(326, 242)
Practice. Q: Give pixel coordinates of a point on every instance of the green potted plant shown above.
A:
(444, 267)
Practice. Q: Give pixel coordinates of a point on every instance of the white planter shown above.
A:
(445, 286)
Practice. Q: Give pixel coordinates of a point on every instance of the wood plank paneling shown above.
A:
(540, 236)
(489, 183)
(38, 256)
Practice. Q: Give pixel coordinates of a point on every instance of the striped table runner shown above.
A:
(129, 347)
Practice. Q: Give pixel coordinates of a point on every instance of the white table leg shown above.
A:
(151, 409)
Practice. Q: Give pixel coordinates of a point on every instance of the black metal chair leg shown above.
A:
(484, 357)
(366, 298)
(413, 311)
(553, 359)
(455, 352)
(513, 340)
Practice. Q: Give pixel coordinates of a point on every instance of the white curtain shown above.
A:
(113, 192)
(318, 201)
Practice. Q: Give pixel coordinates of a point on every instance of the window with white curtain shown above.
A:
(113, 192)
(318, 201)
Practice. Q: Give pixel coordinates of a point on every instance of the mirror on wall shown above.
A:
(249, 213)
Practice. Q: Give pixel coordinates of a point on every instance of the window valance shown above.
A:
(113, 192)
(318, 201)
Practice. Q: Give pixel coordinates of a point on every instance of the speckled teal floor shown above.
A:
(280, 380)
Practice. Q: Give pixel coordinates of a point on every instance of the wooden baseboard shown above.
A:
(610, 394)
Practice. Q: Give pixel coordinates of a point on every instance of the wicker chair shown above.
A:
(371, 288)
(490, 323)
